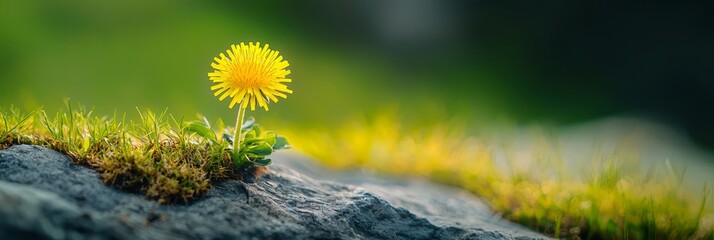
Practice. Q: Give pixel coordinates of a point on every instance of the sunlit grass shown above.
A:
(613, 198)
(154, 156)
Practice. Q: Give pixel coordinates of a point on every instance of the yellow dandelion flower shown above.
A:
(250, 75)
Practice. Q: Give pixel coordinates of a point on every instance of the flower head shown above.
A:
(250, 74)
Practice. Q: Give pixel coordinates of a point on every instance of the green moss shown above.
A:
(155, 156)
(613, 199)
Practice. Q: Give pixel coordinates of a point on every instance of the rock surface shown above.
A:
(43, 195)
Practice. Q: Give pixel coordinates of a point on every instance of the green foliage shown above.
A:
(12, 124)
(256, 146)
(202, 130)
(160, 156)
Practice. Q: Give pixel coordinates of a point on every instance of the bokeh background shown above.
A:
(555, 62)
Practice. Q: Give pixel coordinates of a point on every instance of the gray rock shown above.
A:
(43, 195)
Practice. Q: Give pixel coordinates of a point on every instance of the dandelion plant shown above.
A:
(250, 75)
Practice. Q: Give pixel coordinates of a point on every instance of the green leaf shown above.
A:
(201, 129)
(250, 134)
(270, 137)
(260, 148)
(256, 129)
(252, 156)
(263, 162)
(281, 143)
(250, 138)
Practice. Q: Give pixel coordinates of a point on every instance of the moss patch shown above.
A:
(154, 156)
(614, 199)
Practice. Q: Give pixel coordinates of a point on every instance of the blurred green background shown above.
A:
(559, 62)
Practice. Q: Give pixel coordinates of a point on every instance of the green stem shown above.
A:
(237, 139)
